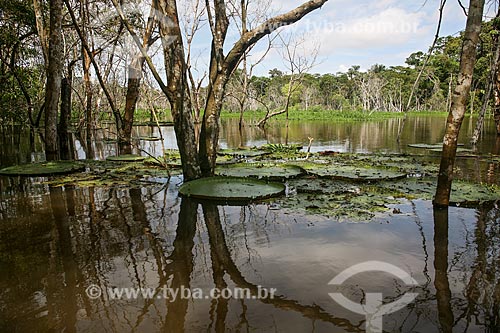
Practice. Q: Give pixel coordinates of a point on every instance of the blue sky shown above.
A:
(366, 32)
(363, 32)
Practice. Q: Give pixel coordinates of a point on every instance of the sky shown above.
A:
(362, 33)
(366, 32)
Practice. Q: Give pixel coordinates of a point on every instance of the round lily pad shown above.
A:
(352, 173)
(43, 169)
(126, 158)
(231, 189)
(258, 170)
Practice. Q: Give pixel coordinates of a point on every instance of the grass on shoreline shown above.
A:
(316, 114)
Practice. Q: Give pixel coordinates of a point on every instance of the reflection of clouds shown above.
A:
(131, 237)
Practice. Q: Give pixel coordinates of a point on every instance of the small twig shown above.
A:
(309, 147)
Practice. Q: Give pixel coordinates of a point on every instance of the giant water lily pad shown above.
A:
(231, 189)
(352, 173)
(43, 169)
(259, 170)
(126, 158)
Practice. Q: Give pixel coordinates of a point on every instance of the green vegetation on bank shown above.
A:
(320, 114)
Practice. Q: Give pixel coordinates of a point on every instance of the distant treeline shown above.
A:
(380, 88)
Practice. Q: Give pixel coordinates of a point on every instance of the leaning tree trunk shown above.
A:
(459, 102)
(54, 74)
(222, 66)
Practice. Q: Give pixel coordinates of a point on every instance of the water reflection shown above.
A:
(19, 145)
(55, 242)
(441, 282)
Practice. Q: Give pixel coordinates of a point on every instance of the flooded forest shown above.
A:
(191, 166)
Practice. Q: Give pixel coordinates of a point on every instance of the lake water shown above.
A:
(60, 246)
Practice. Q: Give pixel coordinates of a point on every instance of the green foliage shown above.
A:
(380, 89)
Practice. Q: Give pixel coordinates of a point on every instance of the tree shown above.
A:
(222, 65)
(200, 161)
(298, 61)
(459, 102)
(54, 76)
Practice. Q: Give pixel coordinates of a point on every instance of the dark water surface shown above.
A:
(59, 244)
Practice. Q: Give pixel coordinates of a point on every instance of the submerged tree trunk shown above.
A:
(64, 144)
(133, 87)
(459, 102)
(222, 66)
(496, 109)
(177, 89)
(54, 74)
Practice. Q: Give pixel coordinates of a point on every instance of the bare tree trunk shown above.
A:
(116, 112)
(222, 66)
(133, 86)
(177, 89)
(54, 74)
(459, 102)
(64, 120)
(88, 101)
(496, 108)
(41, 29)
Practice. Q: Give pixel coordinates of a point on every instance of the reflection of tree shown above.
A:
(441, 282)
(119, 237)
(480, 303)
(222, 255)
(182, 265)
(483, 288)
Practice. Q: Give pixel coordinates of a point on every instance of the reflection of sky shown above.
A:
(355, 137)
(126, 241)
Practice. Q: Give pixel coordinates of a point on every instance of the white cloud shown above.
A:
(389, 27)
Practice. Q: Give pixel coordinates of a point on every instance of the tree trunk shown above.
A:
(459, 103)
(88, 102)
(54, 74)
(64, 120)
(222, 66)
(133, 87)
(496, 108)
(209, 135)
(177, 89)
